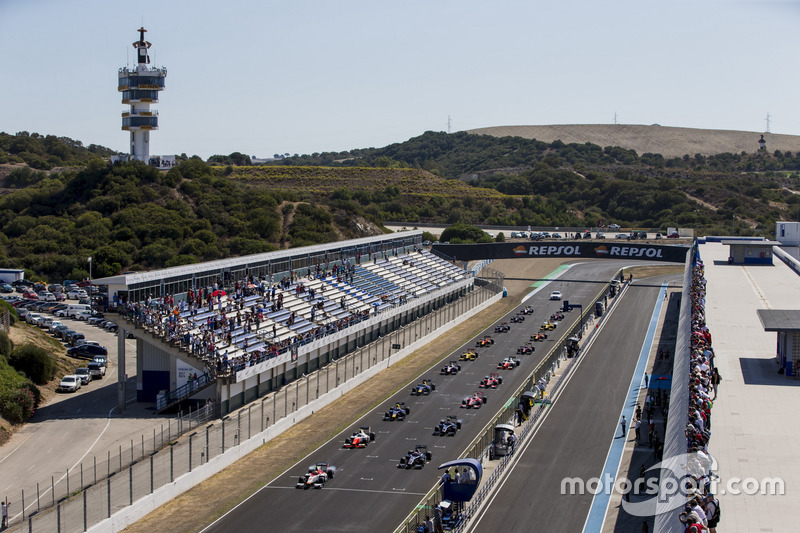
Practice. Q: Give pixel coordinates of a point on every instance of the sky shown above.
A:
(301, 76)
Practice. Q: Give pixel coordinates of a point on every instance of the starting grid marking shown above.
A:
(399, 492)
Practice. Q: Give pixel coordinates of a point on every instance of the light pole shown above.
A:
(91, 310)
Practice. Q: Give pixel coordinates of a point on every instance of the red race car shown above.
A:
(509, 363)
(360, 438)
(484, 342)
(491, 381)
(525, 349)
(474, 401)
(539, 337)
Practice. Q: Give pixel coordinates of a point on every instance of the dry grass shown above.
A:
(668, 141)
(201, 505)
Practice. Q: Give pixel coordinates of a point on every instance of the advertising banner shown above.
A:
(566, 249)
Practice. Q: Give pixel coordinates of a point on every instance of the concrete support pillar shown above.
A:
(121, 375)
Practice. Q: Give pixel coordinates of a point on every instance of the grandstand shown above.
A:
(231, 331)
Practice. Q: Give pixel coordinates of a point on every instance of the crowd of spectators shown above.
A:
(701, 512)
(231, 327)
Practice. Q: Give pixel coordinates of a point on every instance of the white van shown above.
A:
(74, 309)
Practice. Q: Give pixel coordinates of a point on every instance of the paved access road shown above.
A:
(71, 428)
(369, 492)
(574, 439)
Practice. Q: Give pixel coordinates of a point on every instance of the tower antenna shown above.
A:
(768, 117)
(615, 117)
(448, 123)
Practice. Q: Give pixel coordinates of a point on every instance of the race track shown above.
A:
(369, 492)
(574, 439)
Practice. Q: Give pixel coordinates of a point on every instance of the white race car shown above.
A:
(316, 476)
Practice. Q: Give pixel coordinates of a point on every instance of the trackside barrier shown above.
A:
(112, 502)
(478, 448)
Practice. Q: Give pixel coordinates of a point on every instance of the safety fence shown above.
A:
(100, 494)
(479, 448)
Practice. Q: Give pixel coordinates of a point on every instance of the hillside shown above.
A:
(667, 141)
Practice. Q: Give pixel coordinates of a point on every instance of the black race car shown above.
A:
(423, 389)
(517, 319)
(397, 412)
(448, 426)
(450, 369)
(416, 458)
(502, 328)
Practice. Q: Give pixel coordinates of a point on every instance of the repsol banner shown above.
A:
(571, 249)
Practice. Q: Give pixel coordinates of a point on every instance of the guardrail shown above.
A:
(477, 449)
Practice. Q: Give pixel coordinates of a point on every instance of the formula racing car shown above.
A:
(538, 337)
(491, 381)
(423, 389)
(397, 412)
(517, 319)
(527, 311)
(509, 363)
(556, 316)
(484, 342)
(416, 458)
(502, 328)
(548, 326)
(448, 426)
(450, 369)
(469, 355)
(474, 401)
(360, 438)
(525, 349)
(316, 476)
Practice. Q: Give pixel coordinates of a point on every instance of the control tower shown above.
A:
(140, 87)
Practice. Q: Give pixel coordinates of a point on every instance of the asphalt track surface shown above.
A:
(573, 441)
(369, 492)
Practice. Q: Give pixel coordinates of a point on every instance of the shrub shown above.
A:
(18, 406)
(35, 362)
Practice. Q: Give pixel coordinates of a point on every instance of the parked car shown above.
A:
(30, 295)
(69, 383)
(6, 288)
(96, 320)
(614, 226)
(77, 294)
(32, 318)
(84, 374)
(87, 351)
(83, 316)
(659, 236)
(72, 337)
(53, 325)
(97, 370)
(58, 331)
(60, 296)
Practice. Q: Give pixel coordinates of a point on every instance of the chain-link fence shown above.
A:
(82, 499)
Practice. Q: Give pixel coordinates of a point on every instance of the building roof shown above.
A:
(779, 319)
(754, 242)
